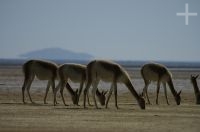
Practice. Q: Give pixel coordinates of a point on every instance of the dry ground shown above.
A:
(15, 116)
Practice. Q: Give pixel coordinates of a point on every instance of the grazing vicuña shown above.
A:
(157, 72)
(43, 70)
(110, 72)
(76, 73)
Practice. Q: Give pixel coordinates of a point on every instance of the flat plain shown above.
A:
(16, 116)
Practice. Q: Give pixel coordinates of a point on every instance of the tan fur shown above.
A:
(196, 88)
(109, 72)
(157, 72)
(76, 73)
(43, 70)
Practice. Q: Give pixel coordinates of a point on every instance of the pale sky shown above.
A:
(106, 29)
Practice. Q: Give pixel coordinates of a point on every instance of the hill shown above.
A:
(56, 54)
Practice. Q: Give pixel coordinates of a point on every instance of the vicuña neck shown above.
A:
(132, 90)
(196, 88)
(69, 88)
(171, 86)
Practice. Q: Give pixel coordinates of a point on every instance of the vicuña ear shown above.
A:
(191, 76)
(197, 76)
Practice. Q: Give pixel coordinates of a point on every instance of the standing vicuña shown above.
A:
(110, 72)
(43, 70)
(196, 88)
(157, 72)
(76, 73)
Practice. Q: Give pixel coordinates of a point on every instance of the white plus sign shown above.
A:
(186, 14)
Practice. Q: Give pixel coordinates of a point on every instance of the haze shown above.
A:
(106, 29)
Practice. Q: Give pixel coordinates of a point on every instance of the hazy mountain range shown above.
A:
(56, 54)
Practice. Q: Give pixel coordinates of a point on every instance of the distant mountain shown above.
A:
(56, 54)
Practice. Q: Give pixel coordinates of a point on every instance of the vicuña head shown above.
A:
(101, 96)
(193, 78)
(141, 101)
(196, 88)
(75, 97)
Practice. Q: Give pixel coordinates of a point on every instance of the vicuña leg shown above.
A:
(94, 92)
(115, 92)
(86, 92)
(158, 89)
(47, 90)
(24, 87)
(62, 85)
(88, 99)
(165, 90)
(28, 89)
(109, 94)
(80, 90)
(145, 92)
(52, 82)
